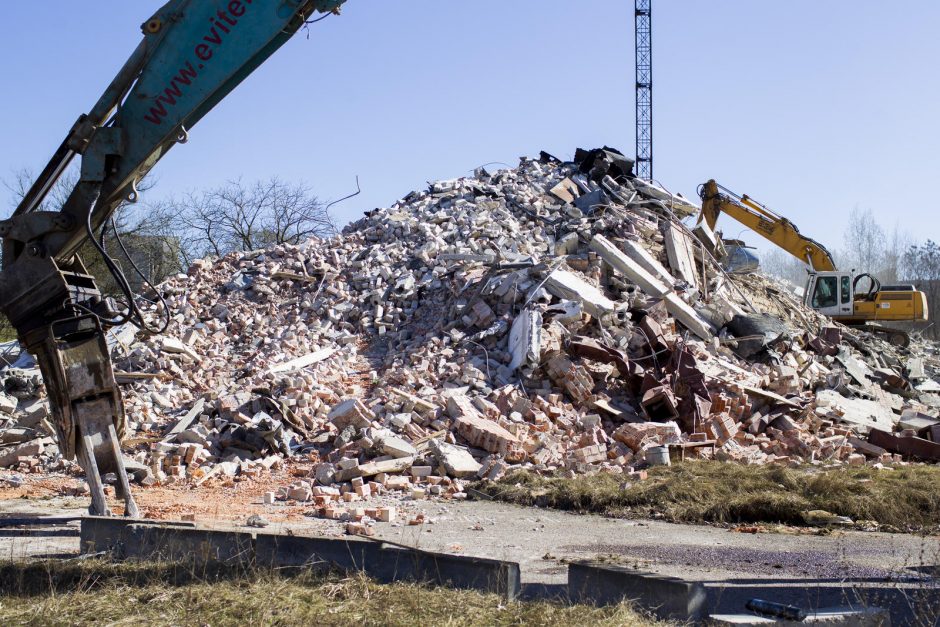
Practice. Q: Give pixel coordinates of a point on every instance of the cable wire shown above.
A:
(115, 272)
(133, 313)
(166, 307)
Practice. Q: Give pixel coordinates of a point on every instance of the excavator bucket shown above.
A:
(86, 403)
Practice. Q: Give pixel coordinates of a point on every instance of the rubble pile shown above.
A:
(555, 316)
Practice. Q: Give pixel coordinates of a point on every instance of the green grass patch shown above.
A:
(107, 593)
(906, 498)
(7, 332)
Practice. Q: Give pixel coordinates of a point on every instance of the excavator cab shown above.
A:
(831, 293)
(843, 297)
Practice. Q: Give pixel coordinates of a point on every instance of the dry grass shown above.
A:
(98, 592)
(7, 332)
(905, 499)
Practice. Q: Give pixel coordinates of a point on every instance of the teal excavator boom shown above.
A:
(193, 54)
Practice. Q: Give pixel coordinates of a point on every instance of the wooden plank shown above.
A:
(282, 275)
(302, 362)
(130, 377)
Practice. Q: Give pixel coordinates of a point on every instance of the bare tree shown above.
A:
(921, 264)
(864, 242)
(245, 217)
(147, 238)
(782, 265)
(21, 180)
(897, 244)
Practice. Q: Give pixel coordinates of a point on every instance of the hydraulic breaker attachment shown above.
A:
(86, 403)
(58, 313)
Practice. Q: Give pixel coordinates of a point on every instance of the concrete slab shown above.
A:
(858, 412)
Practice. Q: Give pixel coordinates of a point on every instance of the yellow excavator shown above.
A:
(829, 291)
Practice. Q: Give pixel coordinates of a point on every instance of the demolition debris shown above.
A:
(556, 316)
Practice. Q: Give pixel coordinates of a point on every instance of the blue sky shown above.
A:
(812, 107)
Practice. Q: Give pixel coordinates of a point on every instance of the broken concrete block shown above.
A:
(394, 446)
(389, 466)
(13, 455)
(917, 422)
(567, 285)
(17, 435)
(186, 421)
(351, 412)
(567, 244)
(681, 253)
(7, 404)
(457, 462)
(32, 414)
(302, 362)
(525, 340)
(174, 346)
(860, 413)
(707, 237)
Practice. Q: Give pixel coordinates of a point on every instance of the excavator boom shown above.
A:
(717, 200)
(193, 54)
(828, 290)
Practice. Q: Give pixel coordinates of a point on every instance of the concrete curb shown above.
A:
(841, 616)
(589, 582)
(349, 554)
(668, 598)
(454, 571)
(137, 539)
(180, 543)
